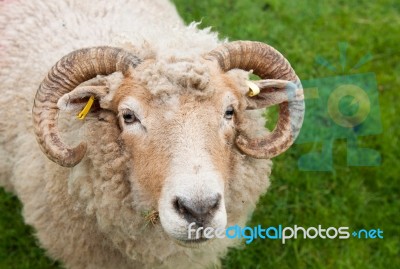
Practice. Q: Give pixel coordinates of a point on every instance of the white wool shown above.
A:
(67, 207)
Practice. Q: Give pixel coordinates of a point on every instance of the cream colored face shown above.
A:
(182, 150)
(179, 133)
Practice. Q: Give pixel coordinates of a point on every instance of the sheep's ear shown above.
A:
(76, 100)
(100, 89)
(270, 92)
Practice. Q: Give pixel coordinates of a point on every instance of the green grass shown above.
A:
(357, 197)
(18, 248)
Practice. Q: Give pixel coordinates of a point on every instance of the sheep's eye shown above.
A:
(229, 113)
(129, 117)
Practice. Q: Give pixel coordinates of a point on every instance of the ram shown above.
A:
(169, 134)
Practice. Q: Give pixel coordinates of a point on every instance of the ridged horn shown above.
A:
(267, 63)
(70, 71)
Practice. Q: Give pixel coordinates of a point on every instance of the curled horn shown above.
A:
(70, 71)
(267, 63)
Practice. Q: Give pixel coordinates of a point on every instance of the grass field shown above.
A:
(357, 197)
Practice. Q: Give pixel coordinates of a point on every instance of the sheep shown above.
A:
(173, 136)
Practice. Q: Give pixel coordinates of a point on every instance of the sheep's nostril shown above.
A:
(198, 211)
(179, 206)
(216, 203)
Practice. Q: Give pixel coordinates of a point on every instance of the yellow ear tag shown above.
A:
(253, 89)
(85, 110)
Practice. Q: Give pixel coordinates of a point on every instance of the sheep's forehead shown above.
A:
(175, 76)
(168, 84)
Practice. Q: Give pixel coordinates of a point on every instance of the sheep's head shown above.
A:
(182, 126)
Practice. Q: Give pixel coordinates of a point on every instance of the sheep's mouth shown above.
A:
(192, 243)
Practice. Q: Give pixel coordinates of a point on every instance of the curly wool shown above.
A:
(161, 76)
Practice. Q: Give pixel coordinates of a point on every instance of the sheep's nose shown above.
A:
(198, 211)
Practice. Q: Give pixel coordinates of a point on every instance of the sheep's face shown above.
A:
(180, 136)
(178, 132)
(176, 126)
